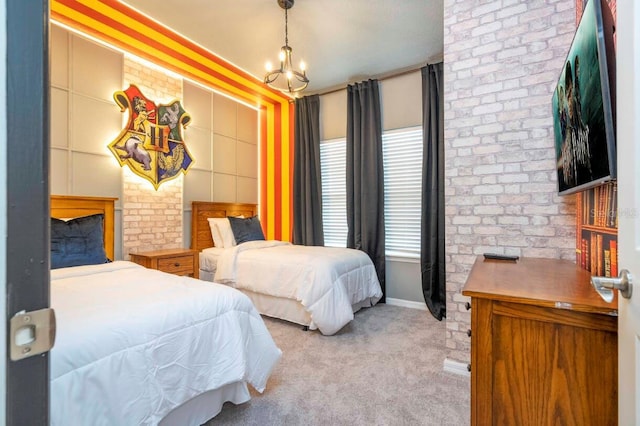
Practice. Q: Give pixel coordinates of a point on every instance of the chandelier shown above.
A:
(285, 78)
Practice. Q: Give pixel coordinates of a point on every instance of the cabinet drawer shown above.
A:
(176, 265)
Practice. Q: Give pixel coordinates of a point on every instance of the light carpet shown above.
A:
(383, 368)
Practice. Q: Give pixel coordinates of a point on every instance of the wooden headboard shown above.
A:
(202, 210)
(71, 206)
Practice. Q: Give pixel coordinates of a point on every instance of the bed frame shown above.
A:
(202, 210)
(72, 206)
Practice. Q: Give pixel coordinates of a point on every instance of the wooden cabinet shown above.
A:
(173, 261)
(544, 348)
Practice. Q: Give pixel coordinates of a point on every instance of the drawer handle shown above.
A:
(469, 332)
(467, 306)
(176, 264)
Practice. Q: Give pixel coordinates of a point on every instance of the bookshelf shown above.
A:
(597, 230)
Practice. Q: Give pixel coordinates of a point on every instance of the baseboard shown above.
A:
(456, 367)
(407, 303)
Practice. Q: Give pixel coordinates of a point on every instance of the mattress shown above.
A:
(134, 344)
(209, 259)
(326, 281)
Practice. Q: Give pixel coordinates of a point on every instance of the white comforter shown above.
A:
(326, 280)
(133, 343)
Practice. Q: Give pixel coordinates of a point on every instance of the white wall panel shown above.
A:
(59, 179)
(95, 175)
(247, 124)
(247, 155)
(224, 116)
(224, 188)
(197, 102)
(224, 154)
(59, 53)
(96, 70)
(95, 124)
(197, 187)
(200, 146)
(247, 190)
(59, 118)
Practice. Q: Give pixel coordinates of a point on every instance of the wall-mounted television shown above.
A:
(583, 104)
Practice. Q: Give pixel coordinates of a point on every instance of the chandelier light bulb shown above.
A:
(282, 55)
(268, 66)
(302, 66)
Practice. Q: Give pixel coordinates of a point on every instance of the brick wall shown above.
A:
(502, 60)
(151, 219)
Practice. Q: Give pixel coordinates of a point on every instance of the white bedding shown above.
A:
(134, 343)
(327, 281)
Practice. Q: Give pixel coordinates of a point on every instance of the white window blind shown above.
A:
(402, 154)
(333, 163)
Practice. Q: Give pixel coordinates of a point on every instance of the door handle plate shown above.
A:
(32, 333)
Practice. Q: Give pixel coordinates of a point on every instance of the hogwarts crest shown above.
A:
(152, 144)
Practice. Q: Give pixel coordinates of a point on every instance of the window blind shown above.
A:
(333, 165)
(402, 156)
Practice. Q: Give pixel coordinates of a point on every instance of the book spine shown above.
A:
(613, 247)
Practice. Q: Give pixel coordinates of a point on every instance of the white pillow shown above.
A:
(221, 232)
(215, 234)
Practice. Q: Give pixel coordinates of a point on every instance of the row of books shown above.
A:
(598, 254)
(600, 206)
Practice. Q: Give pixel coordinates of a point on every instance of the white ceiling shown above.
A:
(341, 41)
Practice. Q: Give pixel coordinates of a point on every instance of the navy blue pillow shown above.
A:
(246, 229)
(78, 241)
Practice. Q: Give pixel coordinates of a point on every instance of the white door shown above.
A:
(628, 141)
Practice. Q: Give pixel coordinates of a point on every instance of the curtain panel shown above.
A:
(307, 184)
(365, 174)
(432, 252)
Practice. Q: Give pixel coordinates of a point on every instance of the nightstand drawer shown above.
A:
(177, 265)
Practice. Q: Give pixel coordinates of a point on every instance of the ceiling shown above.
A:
(340, 41)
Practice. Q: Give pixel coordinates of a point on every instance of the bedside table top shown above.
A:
(164, 252)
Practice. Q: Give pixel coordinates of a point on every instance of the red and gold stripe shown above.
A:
(125, 28)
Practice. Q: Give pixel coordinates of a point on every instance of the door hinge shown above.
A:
(32, 333)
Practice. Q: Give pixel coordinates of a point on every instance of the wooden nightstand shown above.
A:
(173, 261)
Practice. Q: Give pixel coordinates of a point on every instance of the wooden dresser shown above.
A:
(173, 261)
(544, 345)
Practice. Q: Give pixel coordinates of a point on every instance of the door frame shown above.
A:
(27, 199)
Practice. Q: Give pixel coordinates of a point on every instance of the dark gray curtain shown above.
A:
(365, 174)
(307, 186)
(432, 261)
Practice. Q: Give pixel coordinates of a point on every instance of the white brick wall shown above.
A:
(152, 220)
(502, 59)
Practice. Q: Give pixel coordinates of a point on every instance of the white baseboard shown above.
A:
(407, 303)
(456, 367)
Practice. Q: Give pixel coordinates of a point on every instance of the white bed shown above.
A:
(140, 346)
(318, 287)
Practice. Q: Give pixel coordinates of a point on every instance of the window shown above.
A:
(333, 163)
(402, 157)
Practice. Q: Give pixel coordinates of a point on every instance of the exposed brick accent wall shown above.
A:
(502, 59)
(152, 219)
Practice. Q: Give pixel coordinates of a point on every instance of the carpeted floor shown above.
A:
(384, 368)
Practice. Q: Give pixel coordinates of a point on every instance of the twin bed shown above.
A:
(317, 287)
(140, 346)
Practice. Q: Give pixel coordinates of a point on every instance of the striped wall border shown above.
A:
(117, 24)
